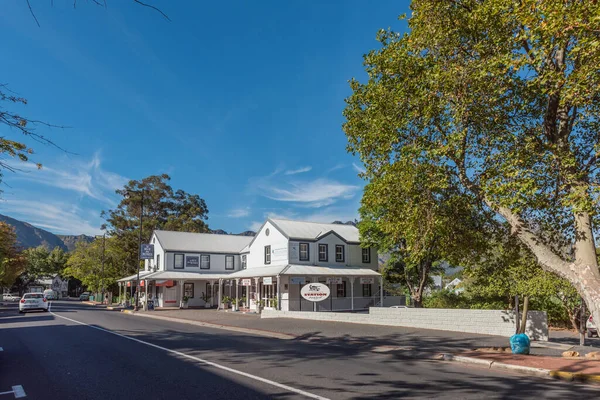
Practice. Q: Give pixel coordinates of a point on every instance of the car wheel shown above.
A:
(21, 312)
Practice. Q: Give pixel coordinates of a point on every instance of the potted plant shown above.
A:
(225, 302)
(184, 302)
(206, 298)
(260, 305)
(241, 301)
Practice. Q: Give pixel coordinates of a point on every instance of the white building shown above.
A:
(190, 265)
(271, 267)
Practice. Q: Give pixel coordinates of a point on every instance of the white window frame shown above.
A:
(368, 254)
(343, 256)
(232, 258)
(182, 261)
(326, 247)
(307, 258)
(202, 261)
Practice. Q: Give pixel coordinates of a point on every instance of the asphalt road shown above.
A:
(80, 352)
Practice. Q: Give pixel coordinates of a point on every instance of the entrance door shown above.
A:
(170, 297)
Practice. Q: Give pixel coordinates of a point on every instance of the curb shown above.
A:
(258, 332)
(539, 372)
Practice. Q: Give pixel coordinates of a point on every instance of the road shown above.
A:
(80, 352)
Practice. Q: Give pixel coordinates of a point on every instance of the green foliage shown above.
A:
(163, 209)
(12, 261)
(85, 263)
(497, 101)
(42, 263)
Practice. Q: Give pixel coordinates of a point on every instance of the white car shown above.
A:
(33, 301)
(10, 297)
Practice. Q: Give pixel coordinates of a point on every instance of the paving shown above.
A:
(84, 352)
(412, 340)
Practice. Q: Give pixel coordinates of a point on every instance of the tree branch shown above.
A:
(32, 14)
(154, 8)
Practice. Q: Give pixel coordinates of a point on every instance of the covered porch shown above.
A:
(278, 288)
(178, 289)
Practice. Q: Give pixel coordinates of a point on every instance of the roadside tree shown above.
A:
(503, 97)
(12, 261)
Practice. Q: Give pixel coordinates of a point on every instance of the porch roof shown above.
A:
(297, 269)
(183, 276)
(134, 276)
(257, 272)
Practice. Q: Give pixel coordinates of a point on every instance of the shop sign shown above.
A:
(246, 282)
(297, 280)
(334, 281)
(268, 280)
(146, 251)
(315, 291)
(366, 281)
(192, 261)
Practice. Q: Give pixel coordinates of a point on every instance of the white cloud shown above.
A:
(57, 217)
(86, 178)
(336, 167)
(358, 168)
(318, 193)
(255, 226)
(239, 212)
(297, 171)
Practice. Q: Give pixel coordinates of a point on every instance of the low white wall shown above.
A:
(488, 322)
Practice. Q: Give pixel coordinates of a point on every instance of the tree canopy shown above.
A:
(163, 208)
(502, 96)
(12, 261)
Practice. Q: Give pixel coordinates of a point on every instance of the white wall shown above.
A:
(487, 322)
(352, 253)
(278, 243)
(158, 250)
(217, 263)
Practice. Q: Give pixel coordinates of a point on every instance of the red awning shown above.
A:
(167, 283)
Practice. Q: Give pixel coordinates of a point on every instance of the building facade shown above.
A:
(266, 270)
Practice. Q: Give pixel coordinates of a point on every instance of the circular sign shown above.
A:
(315, 291)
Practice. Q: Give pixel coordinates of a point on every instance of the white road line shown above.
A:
(19, 392)
(200, 360)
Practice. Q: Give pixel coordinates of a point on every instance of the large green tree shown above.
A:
(12, 261)
(163, 208)
(413, 212)
(504, 96)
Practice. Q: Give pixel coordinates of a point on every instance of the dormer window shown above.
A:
(323, 252)
(366, 255)
(339, 253)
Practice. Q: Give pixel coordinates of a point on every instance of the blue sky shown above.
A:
(240, 102)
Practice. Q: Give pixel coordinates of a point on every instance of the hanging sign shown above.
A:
(146, 251)
(297, 280)
(366, 281)
(268, 280)
(315, 291)
(246, 282)
(334, 281)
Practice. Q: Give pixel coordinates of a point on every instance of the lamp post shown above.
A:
(139, 250)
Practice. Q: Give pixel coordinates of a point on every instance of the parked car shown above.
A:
(33, 301)
(85, 296)
(592, 330)
(11, 297)
(50, 294)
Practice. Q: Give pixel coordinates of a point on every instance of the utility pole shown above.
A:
(137, 291)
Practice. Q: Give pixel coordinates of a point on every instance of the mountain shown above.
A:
(222, 232)
(31, 236)
(353, 223)
(71, 241)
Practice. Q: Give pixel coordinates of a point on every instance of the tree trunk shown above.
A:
(523, 325)
(418, 302)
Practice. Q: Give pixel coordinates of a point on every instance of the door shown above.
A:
(170, 298)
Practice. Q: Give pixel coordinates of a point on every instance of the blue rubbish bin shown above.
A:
(519, 344)
(150, 304)
(91, 298)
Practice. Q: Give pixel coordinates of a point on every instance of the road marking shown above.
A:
(200, 360)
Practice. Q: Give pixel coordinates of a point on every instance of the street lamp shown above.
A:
(102, 276)
(137, 290)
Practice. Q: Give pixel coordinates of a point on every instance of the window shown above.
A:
(267, 254)
(204, 262)
(178, 261)
(339, 253)
(157, 262)
(322, 252)
(366, 255)
(188, 290)
(229, 262)
(244, 261)
(304, 252)
(366, 289)
(341, 289)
